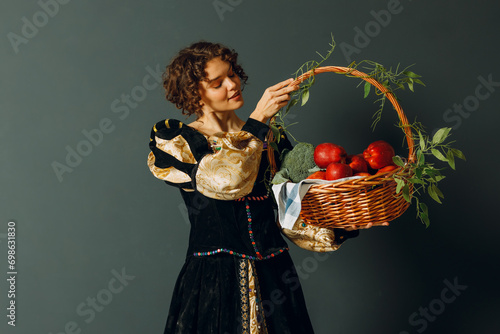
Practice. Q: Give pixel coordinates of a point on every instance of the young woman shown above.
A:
(238, 276)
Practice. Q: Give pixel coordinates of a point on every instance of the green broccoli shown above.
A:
(299, 162)
(280, 177)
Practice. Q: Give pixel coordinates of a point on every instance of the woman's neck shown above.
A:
(213, 122)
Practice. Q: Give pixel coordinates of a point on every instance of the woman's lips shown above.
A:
(235, 96)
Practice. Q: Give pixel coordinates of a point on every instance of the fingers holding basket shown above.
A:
(364, 227)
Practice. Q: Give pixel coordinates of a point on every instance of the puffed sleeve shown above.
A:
(223, 166)
(171, 158)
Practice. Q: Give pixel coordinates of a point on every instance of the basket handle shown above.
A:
(353, 72)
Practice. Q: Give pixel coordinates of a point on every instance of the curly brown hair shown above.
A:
(184, 73)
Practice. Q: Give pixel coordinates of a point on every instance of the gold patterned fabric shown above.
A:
(231, 171)
(226, 174)
(312, 238)
(179, 149)
(252, 311)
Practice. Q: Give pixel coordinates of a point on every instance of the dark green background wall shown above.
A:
(70, 67)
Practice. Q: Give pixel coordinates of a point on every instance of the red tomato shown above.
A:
(387, 169)
(357, 163)
(337, 170)
(317, 175)
(379, 154)
(326, 153)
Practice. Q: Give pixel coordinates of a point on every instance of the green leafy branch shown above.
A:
(391, 79)
(421, 176)
(302, 94)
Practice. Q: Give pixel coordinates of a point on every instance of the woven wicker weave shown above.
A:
(371, 199)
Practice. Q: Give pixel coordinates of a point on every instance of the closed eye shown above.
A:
(230, 75)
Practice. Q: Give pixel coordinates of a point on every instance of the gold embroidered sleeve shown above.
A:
(171, 158)
(230, 172)
(223, 166)
(178, 149)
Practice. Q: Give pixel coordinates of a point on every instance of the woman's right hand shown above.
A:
(273, 99)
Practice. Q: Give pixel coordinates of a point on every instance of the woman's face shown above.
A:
(221, 91)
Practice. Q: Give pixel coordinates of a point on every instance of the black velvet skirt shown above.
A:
(225, 294)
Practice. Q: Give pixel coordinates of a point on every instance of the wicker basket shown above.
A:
(358, 202)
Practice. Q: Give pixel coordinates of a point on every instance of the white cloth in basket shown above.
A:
(289, 198)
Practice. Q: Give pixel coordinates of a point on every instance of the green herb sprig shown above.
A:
(391, 79)
(421, 176)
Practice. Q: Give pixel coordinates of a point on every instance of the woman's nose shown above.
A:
(232, 82)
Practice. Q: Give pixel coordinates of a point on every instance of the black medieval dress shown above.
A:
(238, 276)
